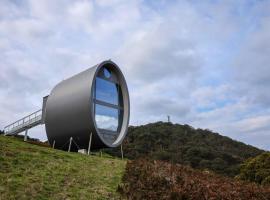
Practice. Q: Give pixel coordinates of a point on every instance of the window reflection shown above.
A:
(106, 117)
(106, 91)
(107, 73)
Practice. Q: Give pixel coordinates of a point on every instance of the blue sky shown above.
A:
(204, 63)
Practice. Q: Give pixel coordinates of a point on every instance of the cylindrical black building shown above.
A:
(94, 101)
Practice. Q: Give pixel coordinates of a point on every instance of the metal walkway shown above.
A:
(24, 124)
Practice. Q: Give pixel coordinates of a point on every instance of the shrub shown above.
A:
(257, 169)
(146, 179)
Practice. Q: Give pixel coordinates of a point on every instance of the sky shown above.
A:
(203, 63)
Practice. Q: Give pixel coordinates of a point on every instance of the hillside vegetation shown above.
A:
(146, 179)
(29, 171)
(257, 169)
(198, 148)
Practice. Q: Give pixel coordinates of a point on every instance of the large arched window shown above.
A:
(107, 102)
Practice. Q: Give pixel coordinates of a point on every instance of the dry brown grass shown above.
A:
(146, 179)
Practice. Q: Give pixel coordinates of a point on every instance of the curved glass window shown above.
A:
(106, 91)
(107, 106)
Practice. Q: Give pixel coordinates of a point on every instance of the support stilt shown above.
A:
(122, 154)
(89, 145)
(25, 135)
(53, 144)
(100, 152)
(70, 142)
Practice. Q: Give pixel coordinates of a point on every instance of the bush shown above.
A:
(257, 169)
(147, 179)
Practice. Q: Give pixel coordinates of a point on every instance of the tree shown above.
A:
(183, 144)
(257, 169)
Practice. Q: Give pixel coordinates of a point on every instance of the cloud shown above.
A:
(254, 124)
(81, 13)
(251, 67)
(161, 49)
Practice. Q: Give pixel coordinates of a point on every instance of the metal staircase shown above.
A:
(24, 124)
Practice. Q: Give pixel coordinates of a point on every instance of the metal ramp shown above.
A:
(24, 124)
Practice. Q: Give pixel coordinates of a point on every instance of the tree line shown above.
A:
(183, 144)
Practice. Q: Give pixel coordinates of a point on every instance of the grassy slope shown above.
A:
(32, 172)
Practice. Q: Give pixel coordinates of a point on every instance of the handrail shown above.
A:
(40, 110)
(24, 122)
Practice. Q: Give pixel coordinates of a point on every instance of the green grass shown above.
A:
(29, 171)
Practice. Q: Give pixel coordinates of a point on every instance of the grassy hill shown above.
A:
(198, 148)
(29, 171)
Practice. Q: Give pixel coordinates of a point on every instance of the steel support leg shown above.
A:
(122, 154)
(53, 144)
(70, 142)
(25, 135)
(89, 145)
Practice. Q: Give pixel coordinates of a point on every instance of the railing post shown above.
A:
(25, 135)
(89, 145)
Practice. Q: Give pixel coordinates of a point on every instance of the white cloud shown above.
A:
(254, 124)
(81, 14)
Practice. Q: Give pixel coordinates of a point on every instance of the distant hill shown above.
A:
(202, 149)
(30, 171)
